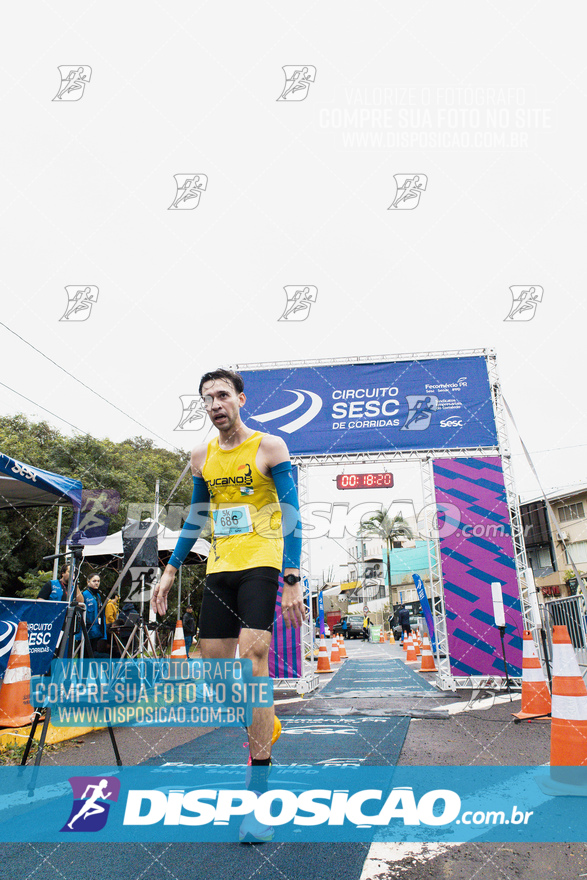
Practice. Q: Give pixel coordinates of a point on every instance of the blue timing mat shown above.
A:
(304, 740)
(378, 675)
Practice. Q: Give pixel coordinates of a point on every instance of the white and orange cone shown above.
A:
(342, 649)
(381, 635)
(178, 648)
(334, 652)
(536, 700)
(411, 656)
(427, 664)
(323, 664)
(416, 639)
(568, 732)
(15, 706)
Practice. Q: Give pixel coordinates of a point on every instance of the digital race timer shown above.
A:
(364, 481)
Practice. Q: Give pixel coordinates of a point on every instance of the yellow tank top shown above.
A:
(244, 508)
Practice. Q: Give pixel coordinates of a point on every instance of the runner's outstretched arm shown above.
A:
(191, 529)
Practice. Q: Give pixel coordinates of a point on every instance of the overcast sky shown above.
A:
(295, 191)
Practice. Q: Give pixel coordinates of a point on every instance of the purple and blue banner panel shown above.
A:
(476, 549)
(431, 403)
(44, 623)
(285, 651)
(303, 803)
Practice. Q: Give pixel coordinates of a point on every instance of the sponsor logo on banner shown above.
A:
(525, 301)
(79, 302)
(451, 423)
(91, 802)
(298, 79)
(409, 190)
(74, 80)
(299, 302)
(189, 188)
(7, 635)
(375, 406)
(302, 397)
(421, 407)
(193, 413)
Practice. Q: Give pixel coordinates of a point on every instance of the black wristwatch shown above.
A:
(291, 580)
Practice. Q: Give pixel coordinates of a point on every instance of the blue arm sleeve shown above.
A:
(290, 511)
(193, 524)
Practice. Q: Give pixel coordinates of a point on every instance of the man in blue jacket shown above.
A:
(57, 590)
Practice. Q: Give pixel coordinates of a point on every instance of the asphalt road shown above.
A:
(439, 733)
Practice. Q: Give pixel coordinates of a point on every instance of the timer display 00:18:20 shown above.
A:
(364, 481)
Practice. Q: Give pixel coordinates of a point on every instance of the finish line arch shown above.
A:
(445, 411)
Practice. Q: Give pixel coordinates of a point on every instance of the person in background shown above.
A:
(111, 610)
(345, 627)
(189, 628)
(403, 616)
(56, 591)
(96, 624)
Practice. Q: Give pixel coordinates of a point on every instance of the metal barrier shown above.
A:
(572, 613)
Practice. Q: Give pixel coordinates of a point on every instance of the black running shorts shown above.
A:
(235, 600)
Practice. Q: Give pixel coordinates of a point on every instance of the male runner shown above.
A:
(242, 478)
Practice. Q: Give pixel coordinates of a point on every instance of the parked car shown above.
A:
(354, 627)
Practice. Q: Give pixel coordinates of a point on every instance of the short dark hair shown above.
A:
(63, 569)
(235, 379)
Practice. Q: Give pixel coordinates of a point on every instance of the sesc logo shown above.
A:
(7, 634)
(451, 423)
(302, 397)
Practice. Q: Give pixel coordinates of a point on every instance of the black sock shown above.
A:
(260, 768)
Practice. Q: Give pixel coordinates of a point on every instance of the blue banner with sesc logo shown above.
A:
(432, 403)
(44, 623)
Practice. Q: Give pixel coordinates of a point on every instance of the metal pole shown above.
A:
(57, 541)
(179, 595)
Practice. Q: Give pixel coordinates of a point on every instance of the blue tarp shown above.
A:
(22, 485)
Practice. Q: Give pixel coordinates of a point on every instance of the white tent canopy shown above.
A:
(167, 539)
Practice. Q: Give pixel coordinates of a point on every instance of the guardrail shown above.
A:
(572, 613)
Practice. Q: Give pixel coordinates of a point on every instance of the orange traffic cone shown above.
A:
(342, 649)
(568, 732)
(334, 652)
(381, 635)
(323, 664)
(417, 644)
(15, 707)
(178, 647)
(427, 664)
(411, 656)
(535, 694)
(405, 641)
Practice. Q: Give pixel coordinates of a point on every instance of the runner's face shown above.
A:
(222, 403)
